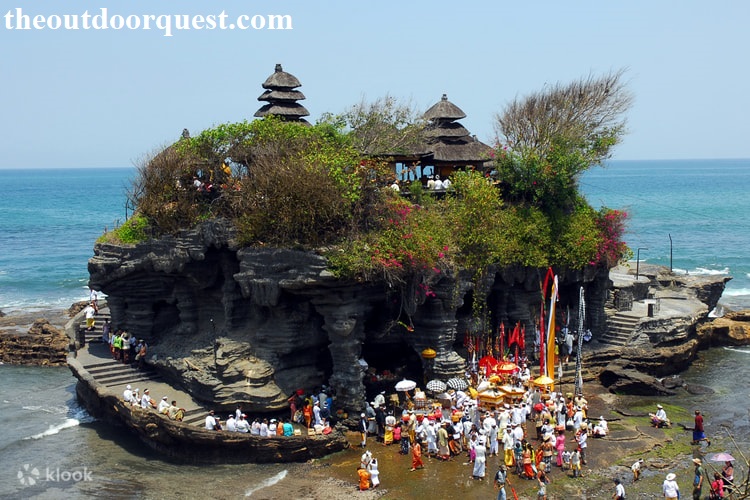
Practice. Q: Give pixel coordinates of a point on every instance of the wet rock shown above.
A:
(623, 379)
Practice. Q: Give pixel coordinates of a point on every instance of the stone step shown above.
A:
(129, 379)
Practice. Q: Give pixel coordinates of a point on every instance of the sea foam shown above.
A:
(54, 429)
(267, 482)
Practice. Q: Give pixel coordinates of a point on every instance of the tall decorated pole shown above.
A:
(542, 342)
(551, 332)
(581, 330)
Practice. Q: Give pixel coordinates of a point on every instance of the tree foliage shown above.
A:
(548, 138)
(384, 126)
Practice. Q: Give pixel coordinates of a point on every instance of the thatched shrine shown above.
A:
(448, 143)
(281, 97)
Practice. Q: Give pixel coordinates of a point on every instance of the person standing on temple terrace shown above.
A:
(316, 413)
(287, 428)
(697, 479)
(90, 313)
(243, 425)
(698, 433)
(669, 488)
(619, 493)
(582, 438)
(542, 481)
(94, 298)
(231, 424)
(106, 331)
(211, 421)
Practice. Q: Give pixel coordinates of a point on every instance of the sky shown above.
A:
(111, 97)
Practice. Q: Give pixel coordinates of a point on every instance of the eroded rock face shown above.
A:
(732, 329)
(43, 345)
(251, 326)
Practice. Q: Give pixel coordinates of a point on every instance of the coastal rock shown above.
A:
(212, 313)
(43, 344)
(732, 329)
(621, 377)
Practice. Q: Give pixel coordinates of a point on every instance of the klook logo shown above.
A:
(29, 475)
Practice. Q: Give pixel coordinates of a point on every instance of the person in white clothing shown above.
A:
(127, 395)
(231, 423)
(619, 490)
(669, 488)
(163, 405)
(374, 472)
(242, 424)
(211, 421)
(146, 400)
(602, 428)
(264, 428)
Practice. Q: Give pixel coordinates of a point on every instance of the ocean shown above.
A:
(50, 219)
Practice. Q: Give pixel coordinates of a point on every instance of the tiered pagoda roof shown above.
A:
(449, 142)
(282, 97)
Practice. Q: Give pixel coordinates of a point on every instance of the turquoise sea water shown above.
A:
(49, 220)
(702, 204)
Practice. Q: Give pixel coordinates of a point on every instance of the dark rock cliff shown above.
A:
(252, 325)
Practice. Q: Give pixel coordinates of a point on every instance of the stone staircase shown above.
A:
(113, 373)
(96, 358)
(620, 328)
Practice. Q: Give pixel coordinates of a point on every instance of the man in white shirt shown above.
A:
(163, 405)
(210, 421)
(146, 400)
(231, 424)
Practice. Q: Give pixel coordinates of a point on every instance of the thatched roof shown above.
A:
(283, 109)
(461, 153)
(281, 98)
(446, 130)
(280, 79)
(444, 110)
(281, 95)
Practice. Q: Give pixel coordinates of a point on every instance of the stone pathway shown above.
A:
(114, 375)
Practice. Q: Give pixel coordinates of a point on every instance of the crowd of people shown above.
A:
(144, 400)
(467, 429)
(560, 441)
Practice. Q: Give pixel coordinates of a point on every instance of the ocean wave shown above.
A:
(743, 350)
(735, 292)
(54, 429)
(701, 271)
(267, 482)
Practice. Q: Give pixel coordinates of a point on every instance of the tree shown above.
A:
(382, 127)
(550, 137)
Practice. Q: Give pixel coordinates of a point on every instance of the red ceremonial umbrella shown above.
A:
(488, 362)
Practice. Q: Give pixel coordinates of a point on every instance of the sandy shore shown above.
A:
(631, 438)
